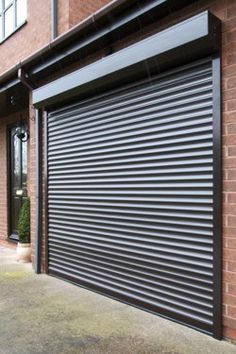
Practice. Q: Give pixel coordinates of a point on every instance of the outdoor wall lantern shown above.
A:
(22, 133)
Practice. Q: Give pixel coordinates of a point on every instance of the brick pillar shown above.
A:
(229, 167)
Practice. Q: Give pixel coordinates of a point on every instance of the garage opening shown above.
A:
(131, 195)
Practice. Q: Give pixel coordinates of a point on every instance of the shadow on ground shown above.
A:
(40, 314)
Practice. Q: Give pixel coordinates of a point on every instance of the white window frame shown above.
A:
(3, 10)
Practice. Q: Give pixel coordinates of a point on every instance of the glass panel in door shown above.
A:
(18, 180)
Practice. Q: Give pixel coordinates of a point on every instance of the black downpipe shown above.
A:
(53, 19)
(38, 207)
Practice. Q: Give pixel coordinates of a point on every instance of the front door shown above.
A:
(17, 178)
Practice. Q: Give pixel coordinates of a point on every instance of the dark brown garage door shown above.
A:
(130, 195)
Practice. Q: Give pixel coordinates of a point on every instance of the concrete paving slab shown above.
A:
(44, 315)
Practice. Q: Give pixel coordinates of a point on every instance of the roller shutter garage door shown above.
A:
(130, 194)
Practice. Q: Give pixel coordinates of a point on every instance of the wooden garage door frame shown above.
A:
(41, 98)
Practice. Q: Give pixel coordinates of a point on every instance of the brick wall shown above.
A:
(63, 22)
(229, 166)
(80, 9)
(72, 12)
(226, 11)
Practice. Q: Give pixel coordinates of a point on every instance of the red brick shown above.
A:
(231, 198)
(231, 12)
(229, 162)
(230, 333)
(231, 128)
(229, 94)
(231, 105)
(230, 59)
(229, 277)
(231, 311)
(230, 232)
(232, 288)
(229, 254)
(232, 151)
(230, 242)
(229, 186)
(231, 82)
(229, 322)
(230, 36)
(229, 209)
(229, 25)
(229, 71)
(231, 266)
(231, 221)
(79, 9)
(229, 139)
(229, 117)
(230, 300)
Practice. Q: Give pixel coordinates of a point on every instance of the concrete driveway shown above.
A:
(40, 314)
